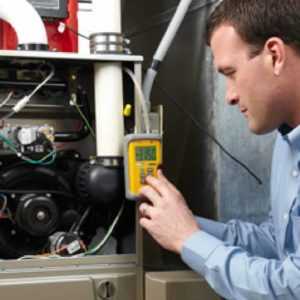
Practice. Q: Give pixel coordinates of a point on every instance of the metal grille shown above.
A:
(49, 4)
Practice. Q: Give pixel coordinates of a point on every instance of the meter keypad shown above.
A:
(144, 172)
(150, 171)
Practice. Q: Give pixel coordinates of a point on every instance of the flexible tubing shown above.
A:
(164, 47)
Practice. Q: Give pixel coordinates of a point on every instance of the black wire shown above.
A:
(76, 32)
(152, 24)
(198, 125)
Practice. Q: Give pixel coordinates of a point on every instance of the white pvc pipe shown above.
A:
(24, 18)
(108, 85)
(109, 109)
(107, 16)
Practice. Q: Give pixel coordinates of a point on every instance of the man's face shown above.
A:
(250, 81)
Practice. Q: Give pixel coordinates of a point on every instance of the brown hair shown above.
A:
(258, 20)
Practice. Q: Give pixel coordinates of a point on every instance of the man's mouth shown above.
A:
(244, 111)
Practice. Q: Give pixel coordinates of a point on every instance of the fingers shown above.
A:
(161, 184)
(158, 184)
(145, 223)
(161, 175)
(151, 194)
(146, 210)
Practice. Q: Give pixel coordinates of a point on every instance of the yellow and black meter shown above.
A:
(142, 157)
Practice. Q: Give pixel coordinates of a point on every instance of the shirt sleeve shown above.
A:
(235, 274)
(258, 240)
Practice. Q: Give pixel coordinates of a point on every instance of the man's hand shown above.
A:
(166, 216)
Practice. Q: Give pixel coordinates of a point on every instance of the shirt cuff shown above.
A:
(198, 247)
(215, 228)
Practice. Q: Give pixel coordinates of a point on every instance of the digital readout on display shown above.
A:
(145, 153)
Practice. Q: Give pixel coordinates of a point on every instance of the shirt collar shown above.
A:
(291, 135)
(285, 129)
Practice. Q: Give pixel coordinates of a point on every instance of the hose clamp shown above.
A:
(109, 43)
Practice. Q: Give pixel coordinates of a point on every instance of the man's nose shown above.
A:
(232, 97)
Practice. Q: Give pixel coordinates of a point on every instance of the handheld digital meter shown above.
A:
(142, 157)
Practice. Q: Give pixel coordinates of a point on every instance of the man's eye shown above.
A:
(230, 74)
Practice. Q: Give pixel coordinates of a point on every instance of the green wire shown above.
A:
(41, 161)
(9, 144)
(108, 234)
(85, 119)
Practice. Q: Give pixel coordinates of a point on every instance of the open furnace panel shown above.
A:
(55, 200)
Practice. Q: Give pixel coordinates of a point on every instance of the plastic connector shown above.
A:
(21, 104)
(61, 27)
(127, 110)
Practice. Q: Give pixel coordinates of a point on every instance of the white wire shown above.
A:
(141, 98)
(6, 99)
(4, 197)
(38, 256)
(20, 105)
(51, 74)
(32, 257)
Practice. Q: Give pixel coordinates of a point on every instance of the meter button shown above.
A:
(142, 176)
(150, 171)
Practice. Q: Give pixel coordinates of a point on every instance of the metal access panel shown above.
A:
(177, 285)
(51, 8)
(108, 279)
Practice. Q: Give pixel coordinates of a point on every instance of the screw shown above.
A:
(41, 215)
(106, 290)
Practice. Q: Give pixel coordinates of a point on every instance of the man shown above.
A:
(256, 46)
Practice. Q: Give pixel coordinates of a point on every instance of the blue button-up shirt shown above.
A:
(246, 261)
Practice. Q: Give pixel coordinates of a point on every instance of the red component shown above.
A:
(63, 42)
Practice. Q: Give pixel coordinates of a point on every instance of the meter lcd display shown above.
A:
(145, 153)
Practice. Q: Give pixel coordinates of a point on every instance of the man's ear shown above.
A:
(275, 54)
